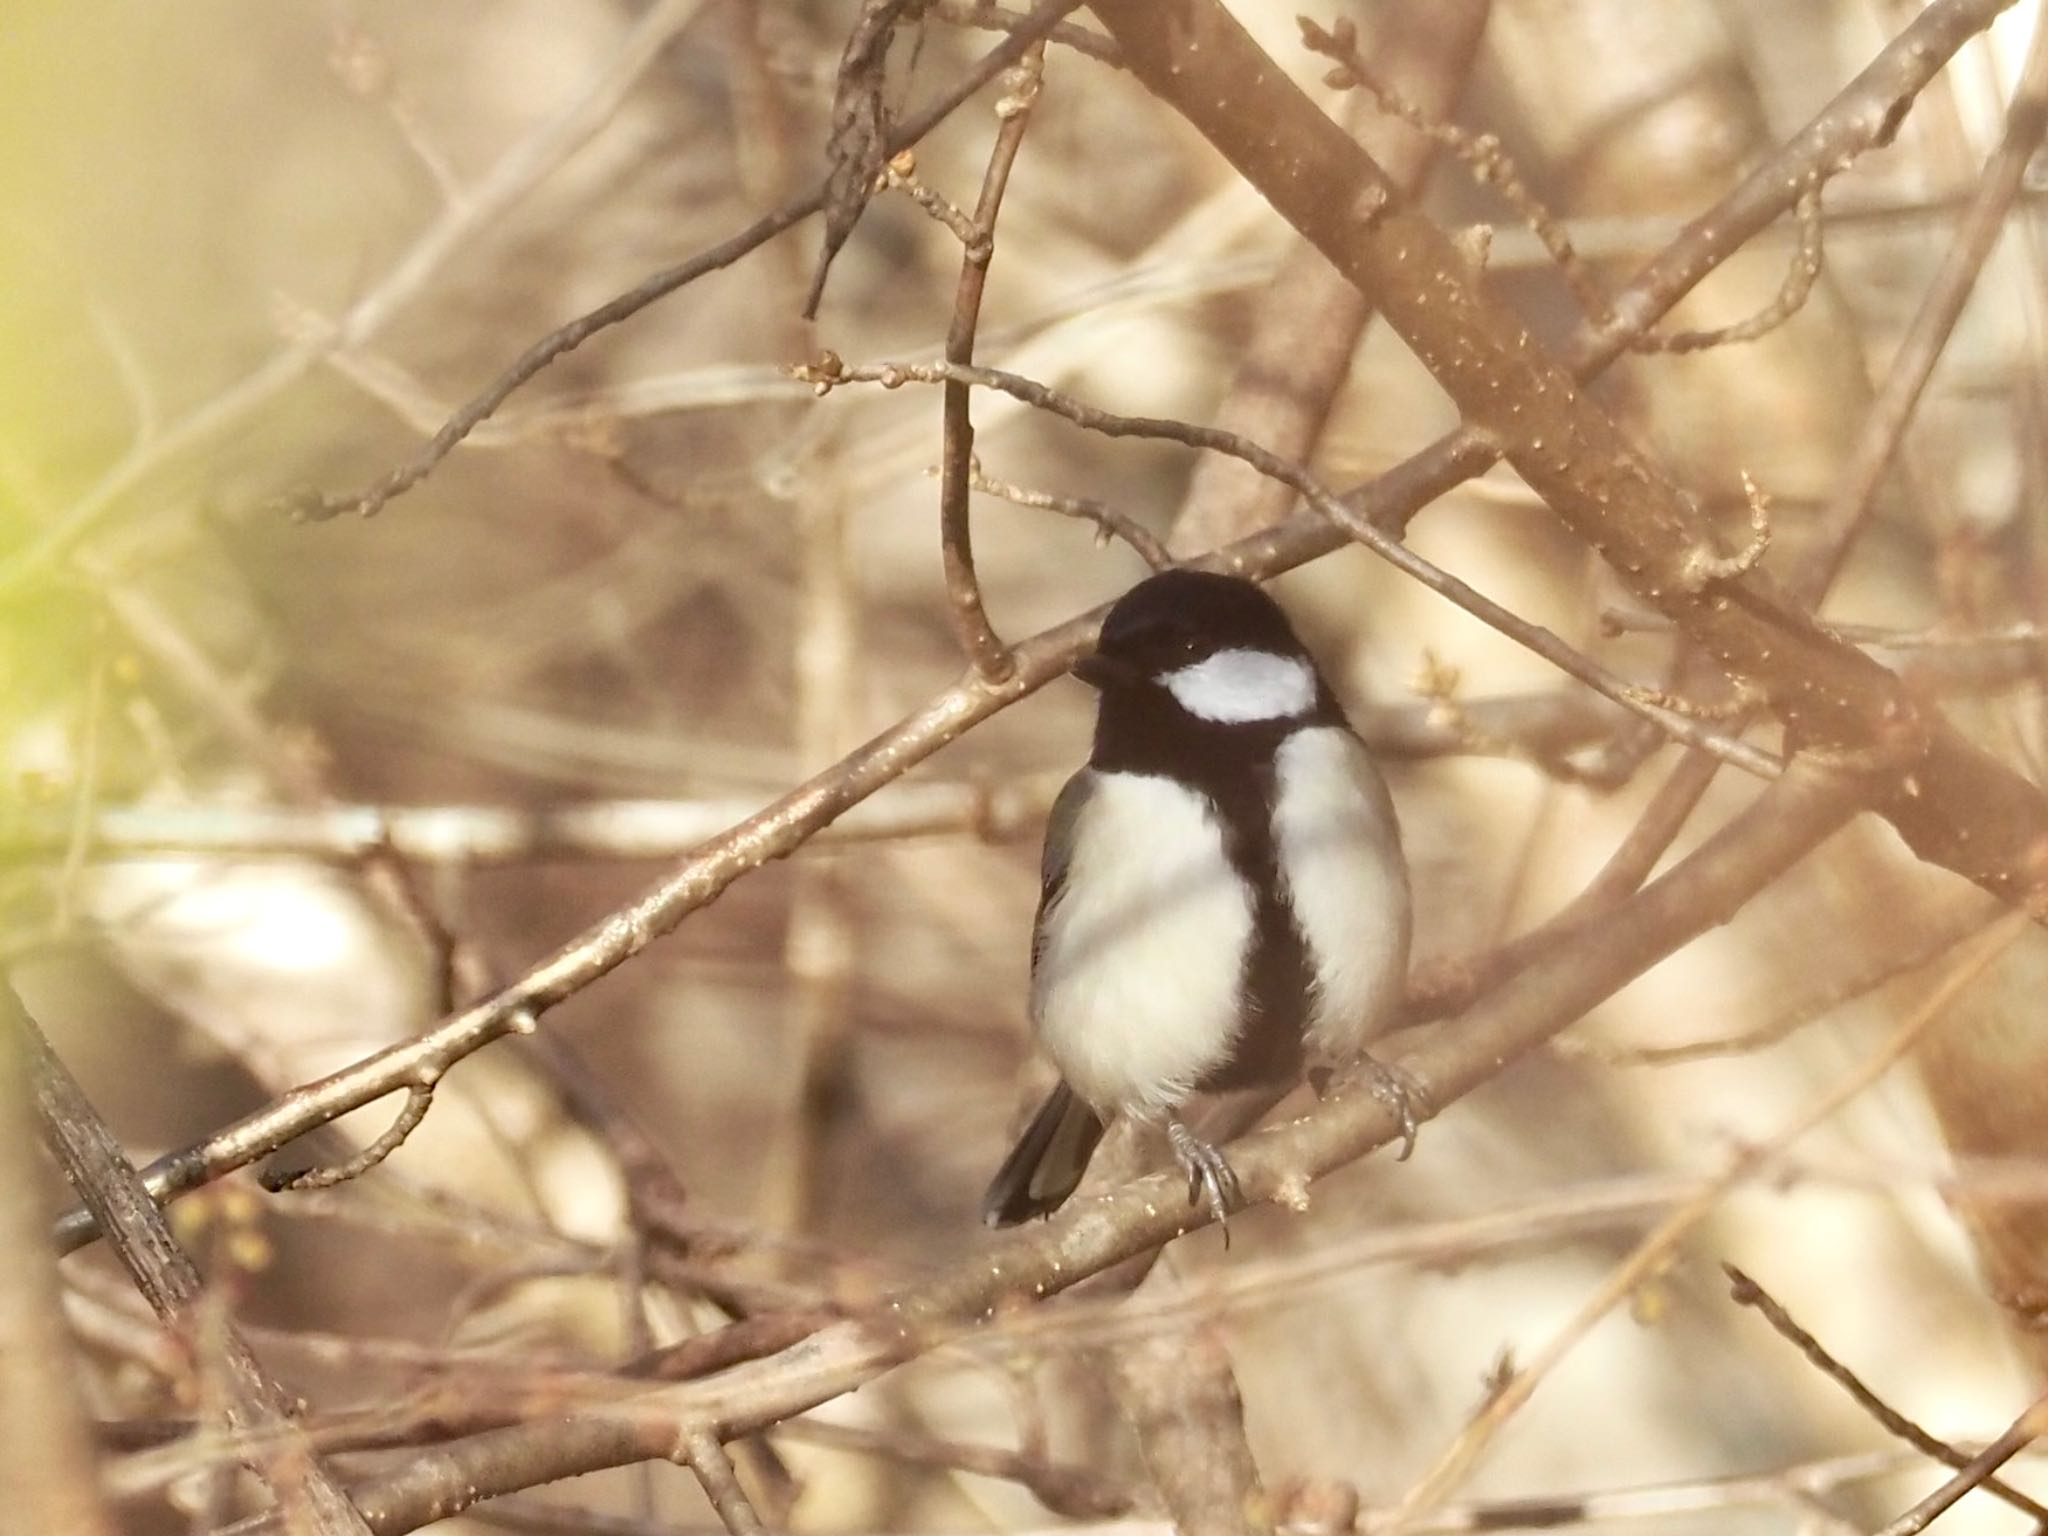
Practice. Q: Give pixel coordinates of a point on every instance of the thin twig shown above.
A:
(699, 1450)
(1747, 1293)
(2024, 1431)
(985, 649)
(1109, 523)
(829, 372)
(566, 338)
(419, 1098)
(1480, 153)
(991, 17)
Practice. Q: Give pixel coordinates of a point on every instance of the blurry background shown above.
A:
(251, 248)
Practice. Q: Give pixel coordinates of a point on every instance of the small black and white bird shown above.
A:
(1224, 901)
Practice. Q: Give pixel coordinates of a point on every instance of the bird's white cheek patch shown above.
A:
(1238, 687)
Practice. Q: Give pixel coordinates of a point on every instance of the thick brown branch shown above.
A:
(1955, 805)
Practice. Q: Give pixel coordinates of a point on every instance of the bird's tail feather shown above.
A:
(1047, 1163)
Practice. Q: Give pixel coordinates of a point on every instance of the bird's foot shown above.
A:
(1401, 1093)
(1211, 1179)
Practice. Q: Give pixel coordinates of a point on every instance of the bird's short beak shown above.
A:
(1100, 671)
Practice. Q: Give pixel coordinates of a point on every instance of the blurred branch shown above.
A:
(1517, 1387)
(1938, 933)
(141, 1238)
(1791, 817)
(1913, 364)
(467, 835)
(46, 1458)
(1182, 1399)
(1540, 726)
(567, 338)
(1747, 1293)
(515, 173)
(1793, 1489)
(2027, 1428)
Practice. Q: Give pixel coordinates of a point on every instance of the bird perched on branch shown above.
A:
(1224, 901)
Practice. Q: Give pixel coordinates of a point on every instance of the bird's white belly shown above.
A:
(1136, 989)
(1340, 851)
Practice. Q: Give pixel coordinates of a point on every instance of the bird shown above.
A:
(1224, 902)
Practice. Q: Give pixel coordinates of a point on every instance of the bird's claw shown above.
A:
(1400, 1092)
(1211, 1179)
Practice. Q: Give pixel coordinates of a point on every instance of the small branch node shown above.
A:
(1740, 701)
(1484, 158)
(419, 1098)
(1800, 276)
(1703, 567)
(1474, 245)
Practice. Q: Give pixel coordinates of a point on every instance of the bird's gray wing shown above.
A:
(1052, 865)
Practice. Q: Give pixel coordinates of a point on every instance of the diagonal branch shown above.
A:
(1747, 1293)
(1954, 804)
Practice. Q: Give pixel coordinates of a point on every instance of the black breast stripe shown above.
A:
(1232, 766)
(1277, 977)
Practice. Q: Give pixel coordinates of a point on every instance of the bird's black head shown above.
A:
(1192, 651)
(1177, 619)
